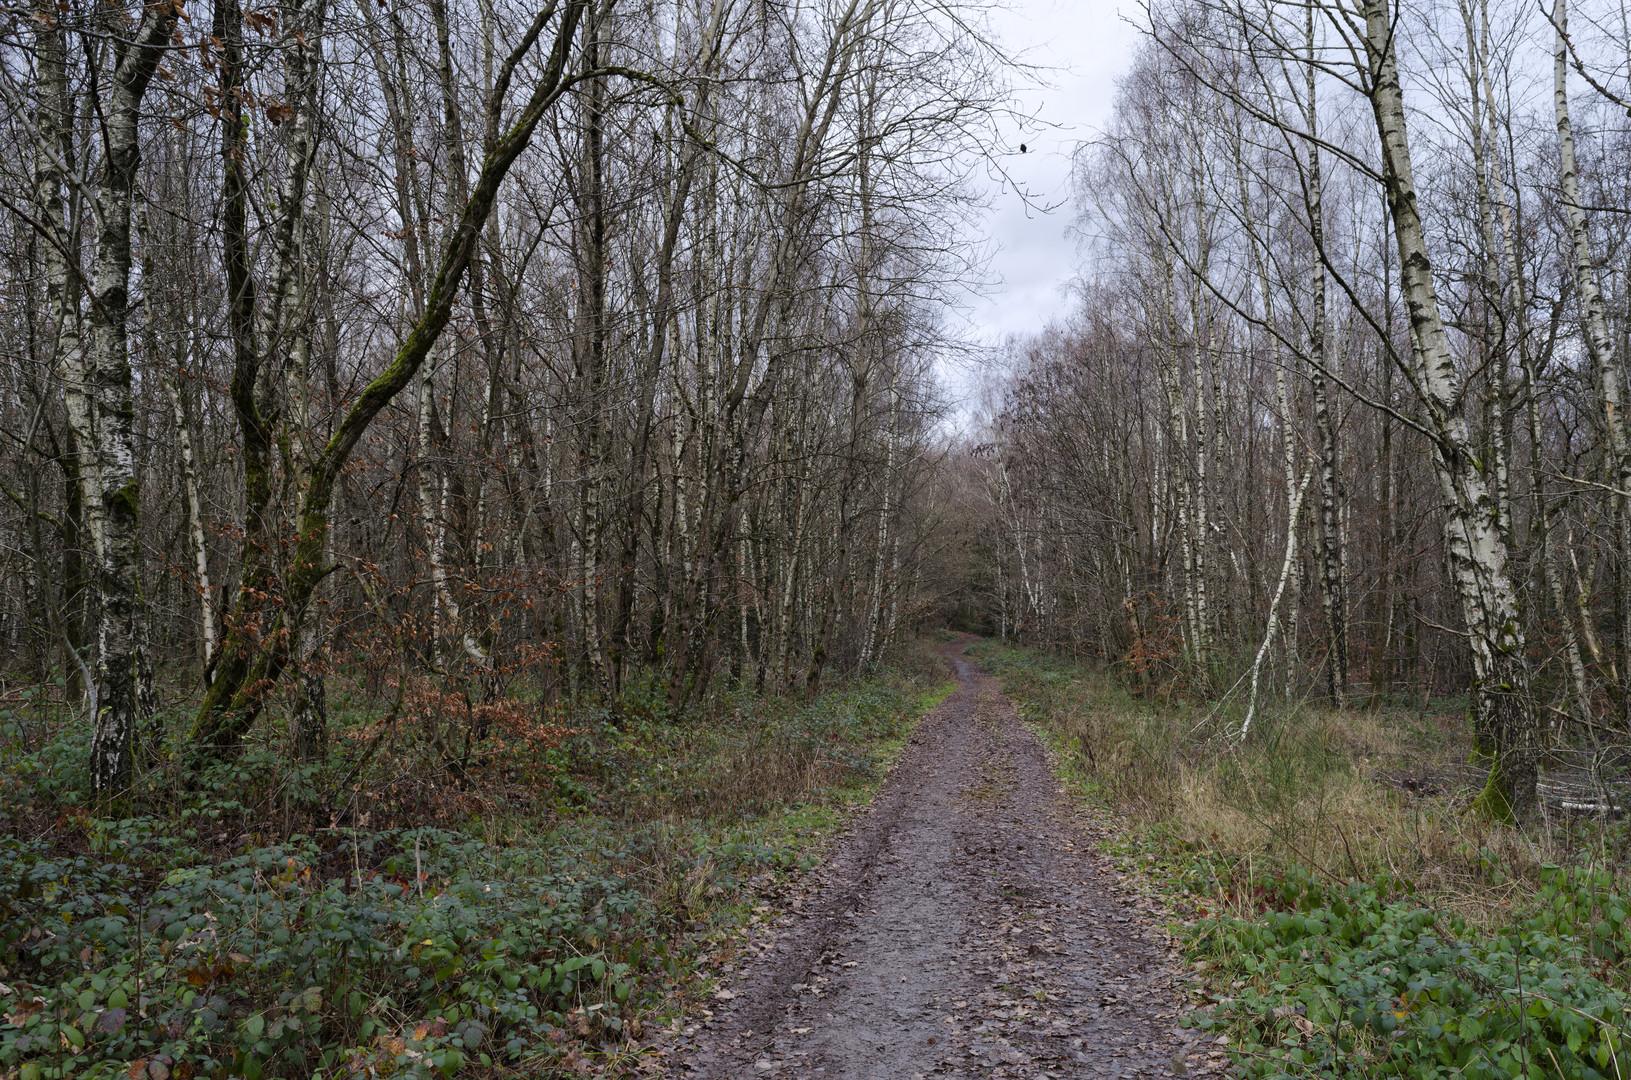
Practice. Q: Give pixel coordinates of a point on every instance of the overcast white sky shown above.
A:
(1086, 44)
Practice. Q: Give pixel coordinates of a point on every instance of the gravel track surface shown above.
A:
(966, 927)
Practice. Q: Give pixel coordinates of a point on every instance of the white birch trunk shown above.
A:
(195, 526)
(1503, 713)
(54, 124)
(119, 634)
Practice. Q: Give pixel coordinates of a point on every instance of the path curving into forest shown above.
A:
(966, 927)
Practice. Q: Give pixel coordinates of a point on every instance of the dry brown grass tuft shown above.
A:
(1354, 795)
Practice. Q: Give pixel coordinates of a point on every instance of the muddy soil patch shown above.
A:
(967, 927)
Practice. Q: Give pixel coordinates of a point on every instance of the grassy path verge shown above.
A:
(1347, 923)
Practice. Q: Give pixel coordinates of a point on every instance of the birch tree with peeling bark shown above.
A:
(1503, 715)
(119, 633)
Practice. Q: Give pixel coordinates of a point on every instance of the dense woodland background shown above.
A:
(486, 356)
(473, 351)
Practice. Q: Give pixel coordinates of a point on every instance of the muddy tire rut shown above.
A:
(966, 927)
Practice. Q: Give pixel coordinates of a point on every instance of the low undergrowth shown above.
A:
(1351, 918)
(1372, 980)
(532, 913)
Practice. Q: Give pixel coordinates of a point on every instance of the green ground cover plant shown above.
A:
(1372, 980)
(560, 900)
(1348, 916)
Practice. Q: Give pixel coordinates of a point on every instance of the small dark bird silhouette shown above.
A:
(1022, 148)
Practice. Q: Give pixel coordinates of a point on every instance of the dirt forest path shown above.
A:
(966, 927)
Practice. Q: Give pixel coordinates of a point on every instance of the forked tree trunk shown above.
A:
(118, 708)
(1503, 714)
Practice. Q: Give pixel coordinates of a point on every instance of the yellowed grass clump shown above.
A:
(1355, 794)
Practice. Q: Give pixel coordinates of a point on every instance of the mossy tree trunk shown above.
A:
(254, 657)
